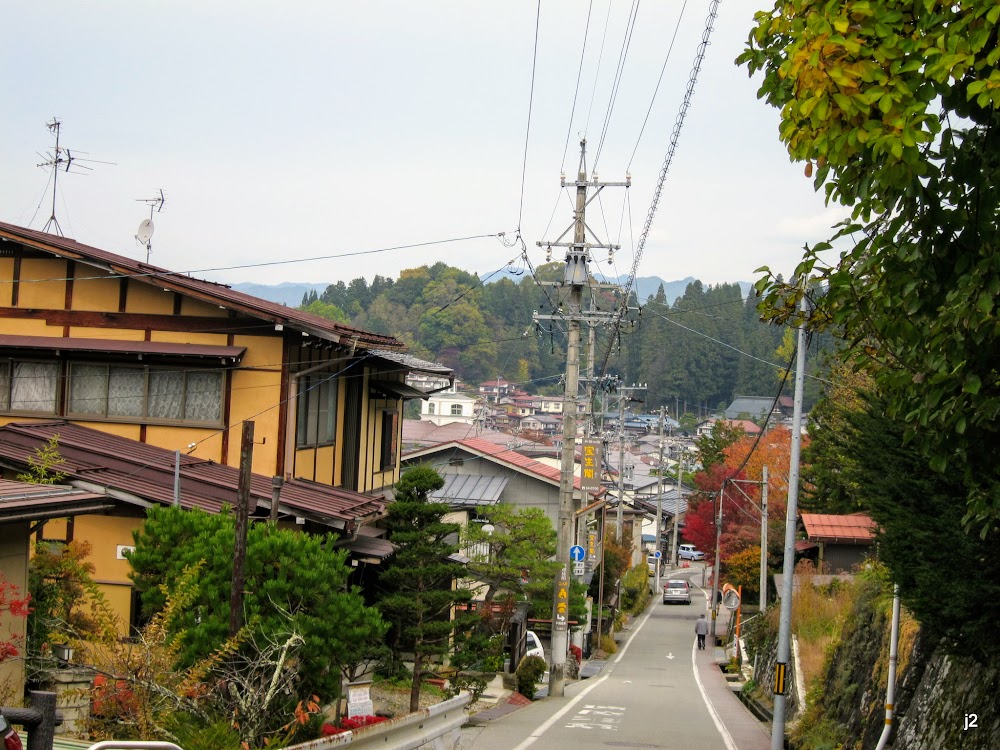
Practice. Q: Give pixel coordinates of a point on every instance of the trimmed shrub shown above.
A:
(529, 672)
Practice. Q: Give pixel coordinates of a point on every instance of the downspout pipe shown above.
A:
(890, 691)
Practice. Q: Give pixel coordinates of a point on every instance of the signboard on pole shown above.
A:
(561, 620)
(590, 469)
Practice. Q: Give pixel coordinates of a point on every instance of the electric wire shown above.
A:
(659, 80)
(531, 99)
(576, 90)
(616, 83)
(597, 74)
(674, 137)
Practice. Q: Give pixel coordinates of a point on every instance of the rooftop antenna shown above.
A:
(144, 233)
(61, 158)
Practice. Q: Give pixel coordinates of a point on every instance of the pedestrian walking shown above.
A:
(701, 630)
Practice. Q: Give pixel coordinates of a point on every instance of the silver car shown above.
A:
(676, 590)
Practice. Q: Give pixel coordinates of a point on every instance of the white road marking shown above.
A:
(726, 737)
(530, 739)
(670, 656)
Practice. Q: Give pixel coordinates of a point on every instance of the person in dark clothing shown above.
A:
(701, 630)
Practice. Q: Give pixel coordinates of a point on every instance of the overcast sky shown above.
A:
(311, 128)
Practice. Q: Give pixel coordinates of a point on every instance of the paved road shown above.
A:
(651, 694)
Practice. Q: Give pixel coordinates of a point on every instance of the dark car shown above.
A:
(676, 590)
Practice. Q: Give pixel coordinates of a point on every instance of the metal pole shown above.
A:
(242, 513)
(177, 477)
(276, 485)
(715, 572)
(621, 462)
(890, 690)
(788, 570)
(575, 277)
(659, 507)
(677, 505)
(763, 540)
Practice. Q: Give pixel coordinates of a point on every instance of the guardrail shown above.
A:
(408, 732)
(40, 719)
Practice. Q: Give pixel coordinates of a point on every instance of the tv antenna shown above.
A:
(144, 233)
(61, 158)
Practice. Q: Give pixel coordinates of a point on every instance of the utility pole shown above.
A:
(659, 507)
(575, 277)
(623, 396)
(788, 570)
(715, 571)
(242, 513)
(763, 539)
(677, 505)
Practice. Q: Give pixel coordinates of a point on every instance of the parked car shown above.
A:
(688, 552)
(677, 590)
(534, 645)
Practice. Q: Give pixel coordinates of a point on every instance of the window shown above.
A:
(155, 393)
(29, 386)
(389, 427)
(317, 410)
(456, 410)
(430, 408)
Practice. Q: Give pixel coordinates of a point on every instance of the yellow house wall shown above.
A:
(255, 395)
(130, 431)
(179, 438)
(115, 334)
(183, 337)
(305, 463)
(191, 306)
(35, 291)
(143, 298)
(14, 568)
(95, 294)
(105, 533)
(6, 288)
(28, 327)
(262, 351)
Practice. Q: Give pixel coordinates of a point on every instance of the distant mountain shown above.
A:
(287, 293)
(290, 293)
(645, 286)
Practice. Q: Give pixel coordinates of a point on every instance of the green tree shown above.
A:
(919, 514)
(326, 310)
(44, 463)
(892, 106)
(712, 447)
(418, 581)
(522, 541)
(294, 583)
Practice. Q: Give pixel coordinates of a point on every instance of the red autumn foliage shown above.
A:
(12, 602)
(350, 724)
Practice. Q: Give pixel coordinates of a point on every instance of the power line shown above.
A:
(659, 80)
(576, 91)
(531, 99)
(616, 82)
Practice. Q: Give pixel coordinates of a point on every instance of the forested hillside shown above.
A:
(698, 353)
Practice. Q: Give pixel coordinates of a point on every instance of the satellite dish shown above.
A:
(145, 231)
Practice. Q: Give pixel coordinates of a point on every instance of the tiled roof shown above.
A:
(99, 459)
(821, 527)
(218, 294)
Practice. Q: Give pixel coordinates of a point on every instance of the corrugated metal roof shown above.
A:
(147, 473)
(122, 347)
(821, 527)
(20, 501)
(218, 294)
(504, 455)
(470, 489)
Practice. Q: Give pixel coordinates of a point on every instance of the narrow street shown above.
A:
(658, 691)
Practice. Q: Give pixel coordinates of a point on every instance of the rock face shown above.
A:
(943, 701)
(953, 706)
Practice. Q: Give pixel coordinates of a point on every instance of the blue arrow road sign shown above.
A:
(657, 554)
(576, 553)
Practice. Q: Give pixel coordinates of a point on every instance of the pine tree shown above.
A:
(419, 595)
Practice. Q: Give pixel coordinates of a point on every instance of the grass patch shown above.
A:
(818, 612)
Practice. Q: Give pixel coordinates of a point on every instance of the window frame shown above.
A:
(7, 390)
(389, 439)
(144, 417)
(310, 391)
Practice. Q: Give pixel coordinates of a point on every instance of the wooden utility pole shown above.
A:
(242, 519)
(576, 275)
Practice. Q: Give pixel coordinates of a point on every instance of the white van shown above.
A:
(534, 645)
(688, 552)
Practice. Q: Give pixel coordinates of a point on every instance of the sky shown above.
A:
(318, 128)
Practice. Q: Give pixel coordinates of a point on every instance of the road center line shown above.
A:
(530, 740)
